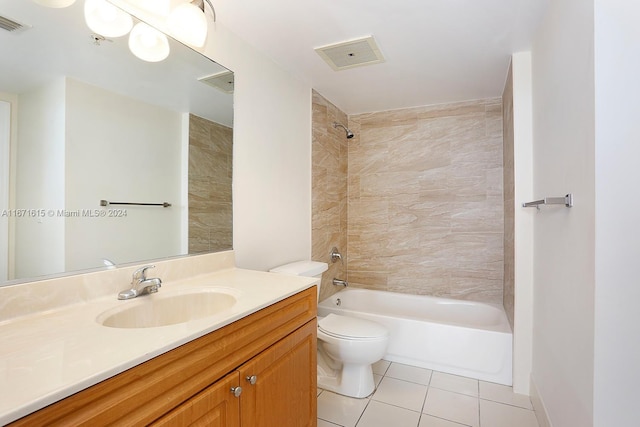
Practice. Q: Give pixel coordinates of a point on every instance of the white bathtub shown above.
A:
(465, 338)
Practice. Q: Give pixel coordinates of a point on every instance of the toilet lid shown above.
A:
(351, 327)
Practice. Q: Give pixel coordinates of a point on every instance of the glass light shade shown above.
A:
(148, 44)
(105, 19)
(188, 24)
(55, 3)
(158, 7)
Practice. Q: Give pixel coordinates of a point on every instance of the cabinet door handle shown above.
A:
(252, 379)
(237, 391)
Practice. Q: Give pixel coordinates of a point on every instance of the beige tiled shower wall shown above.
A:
(509, 202)
(329, 190)
(210, 171)
(425, 201)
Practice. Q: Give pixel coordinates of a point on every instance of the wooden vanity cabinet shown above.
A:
(270, 355)
(215, 406)
(278, 388)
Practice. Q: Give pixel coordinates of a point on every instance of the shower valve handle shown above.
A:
(335, 255)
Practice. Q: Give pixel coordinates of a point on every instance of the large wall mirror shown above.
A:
(83, 121)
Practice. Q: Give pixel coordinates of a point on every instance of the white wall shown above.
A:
(272, 154)
(80, 144)
(272, 168)
(120, 149)
(39, 244)
(10, 174)
(524, 220)
(271, 158)
(5, 141)
(617, 322)
(564, 239)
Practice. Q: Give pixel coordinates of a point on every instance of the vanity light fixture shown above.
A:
(148, 44)
(145, 42)
(157, 7)
(188, 22)
(58, 4)
(105, 19)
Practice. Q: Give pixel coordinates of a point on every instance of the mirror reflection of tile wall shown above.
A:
(210, 172)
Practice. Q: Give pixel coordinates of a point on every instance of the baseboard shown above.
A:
(538, 405)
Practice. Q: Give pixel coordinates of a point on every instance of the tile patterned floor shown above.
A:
(407, 396)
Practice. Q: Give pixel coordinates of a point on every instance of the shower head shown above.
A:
(348, 132)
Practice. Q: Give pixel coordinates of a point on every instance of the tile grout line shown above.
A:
(407, 381)
(421, 412)
(424, 403)
(457, 392)
(504, 403)
(478, 390)
(479, 419)
(363, 411)
(395, 406)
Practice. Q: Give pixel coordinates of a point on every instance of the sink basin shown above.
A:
(150, 311)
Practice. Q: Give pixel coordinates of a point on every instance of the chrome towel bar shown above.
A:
(107, 203)
(566, 200)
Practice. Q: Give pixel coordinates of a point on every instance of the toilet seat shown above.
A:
(351, 328)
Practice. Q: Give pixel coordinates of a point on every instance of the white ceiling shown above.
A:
(436, 50)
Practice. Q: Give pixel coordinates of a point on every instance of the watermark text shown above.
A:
(63, 213)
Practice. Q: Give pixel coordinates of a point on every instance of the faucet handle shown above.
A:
(335, 255)
(141, 273)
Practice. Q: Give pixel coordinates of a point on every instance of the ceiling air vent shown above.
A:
(354, 53)
(222, 81)
(11, 26)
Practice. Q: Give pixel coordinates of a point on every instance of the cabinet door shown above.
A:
(215, 406)
(284, 390)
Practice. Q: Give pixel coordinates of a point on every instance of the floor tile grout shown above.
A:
(456, 392)
(395, 406)
(362, 413)
(405, 380)
(504, 403)
(428, 386)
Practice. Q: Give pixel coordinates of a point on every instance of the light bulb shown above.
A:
(158, 7)
(148, 44)
(55, 3)
(188, 24)
(105, 19)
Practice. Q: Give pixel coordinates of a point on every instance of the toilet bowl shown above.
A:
(347, 346)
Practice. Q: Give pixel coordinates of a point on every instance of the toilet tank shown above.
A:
(302, 268)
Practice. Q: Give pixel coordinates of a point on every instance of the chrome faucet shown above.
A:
(338, 282)
(335, 255)
(140, 285)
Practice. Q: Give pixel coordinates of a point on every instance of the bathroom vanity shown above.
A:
(260, 370)
(245, 367)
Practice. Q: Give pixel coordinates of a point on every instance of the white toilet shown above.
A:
(347, 346)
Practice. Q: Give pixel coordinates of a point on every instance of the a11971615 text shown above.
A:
(63, 213)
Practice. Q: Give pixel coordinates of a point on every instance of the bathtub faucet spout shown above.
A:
(338, 282)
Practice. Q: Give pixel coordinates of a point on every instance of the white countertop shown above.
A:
(49, 355)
